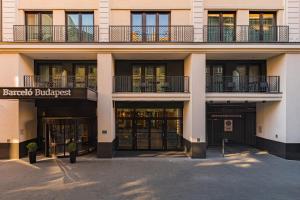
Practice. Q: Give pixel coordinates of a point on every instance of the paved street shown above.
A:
(255, 175)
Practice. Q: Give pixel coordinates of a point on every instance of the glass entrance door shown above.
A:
(149, 129)
(60, 132)
(142, 134)
(156, 134)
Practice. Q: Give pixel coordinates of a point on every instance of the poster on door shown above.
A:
(228, 125)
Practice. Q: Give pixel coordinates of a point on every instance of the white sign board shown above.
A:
(228, 125)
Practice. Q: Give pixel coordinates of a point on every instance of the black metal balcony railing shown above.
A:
(55, 33)
(266, 84)
(154, 34)
(244, 33)
(151, 84)
(37, 81)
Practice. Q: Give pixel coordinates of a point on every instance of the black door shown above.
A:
(149, 129)
(236, 122)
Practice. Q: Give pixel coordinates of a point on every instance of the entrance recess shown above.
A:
(235, 122)
(59, 132)
(149, 128)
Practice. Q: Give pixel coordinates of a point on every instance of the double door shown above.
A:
(148, 78)
(149, 134)
(58, 133)
(150, 27)
(39, 26)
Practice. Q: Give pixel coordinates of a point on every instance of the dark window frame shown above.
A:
(221, 26)
(157, 25)
(40, 28)
(261, 24)
(80, 13)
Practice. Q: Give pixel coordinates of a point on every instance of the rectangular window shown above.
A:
(39, 26)
(66, 74)
(235, 76)
(262, 27)
(221, 27)
(150, 26)
(149, 78)
(80, 27)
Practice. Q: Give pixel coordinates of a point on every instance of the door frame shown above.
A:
(40, 23)
(164, 119)
(157, 25)
(61, 121)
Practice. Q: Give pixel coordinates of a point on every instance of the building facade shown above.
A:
(139, 75)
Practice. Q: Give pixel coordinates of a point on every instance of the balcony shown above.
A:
(247, 34)
(151, 34)
(56, 34)
(159, 84)
(243, 84)
(37, 81)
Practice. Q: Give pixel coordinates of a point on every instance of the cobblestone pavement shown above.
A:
(247, 175)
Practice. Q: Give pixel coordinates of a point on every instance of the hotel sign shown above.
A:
(45, 93)
(35, 92)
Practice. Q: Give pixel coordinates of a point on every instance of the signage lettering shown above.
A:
(37, 92)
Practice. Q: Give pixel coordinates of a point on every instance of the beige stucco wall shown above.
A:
(271, 117)
(194, 110)
(9, 123)
(61, 4)
(105, 110)
(9, 109)
(150, 4)
(17, 119)
(244, 4)
(293, 98)
(123, 17)
(27, 121)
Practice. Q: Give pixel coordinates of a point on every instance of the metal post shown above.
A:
(223, 147)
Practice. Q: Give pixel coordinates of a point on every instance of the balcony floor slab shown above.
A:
(151, 96)
(242, 97)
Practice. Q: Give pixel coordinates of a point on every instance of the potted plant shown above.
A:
(32, 147)
(72, 151)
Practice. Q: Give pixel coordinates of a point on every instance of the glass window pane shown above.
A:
(253, 73)
(213, 28)
(46, 19)
(32, 19)
(164, 27)
(61, 75)
(32, 29)
(137, 22)
(151, 27)
(80, 76)
(87, 21)
(73, 32)
(239, 79)
(254, 27)
(92, 77)
(137, 79)
(46, 28)
(124, 112)
(269, 31)
(73, 19)
(150, 83)
(174, 112)
(228, 27)
(214, 19)
(161, 83)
